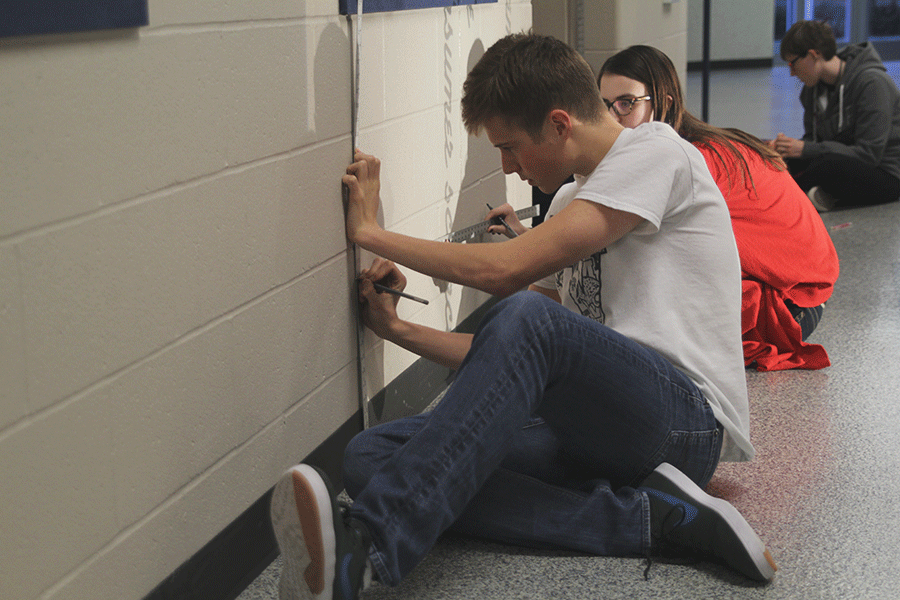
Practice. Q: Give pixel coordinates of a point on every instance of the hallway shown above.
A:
(822, 492)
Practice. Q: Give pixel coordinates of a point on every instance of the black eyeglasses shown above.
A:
(623, 106)
(796, 58)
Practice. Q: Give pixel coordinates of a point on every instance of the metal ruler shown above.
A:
(467, 233)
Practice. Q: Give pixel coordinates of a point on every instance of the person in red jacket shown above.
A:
(788, 261)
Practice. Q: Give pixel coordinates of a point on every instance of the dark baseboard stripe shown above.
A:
(224, 567)
(740, 63)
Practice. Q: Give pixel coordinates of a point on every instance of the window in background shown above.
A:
(853, 21)
(884, 19)
(836, 13)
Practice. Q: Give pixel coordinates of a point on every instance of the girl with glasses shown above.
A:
(788, 262)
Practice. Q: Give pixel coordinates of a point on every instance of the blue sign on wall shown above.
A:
(370, 6)
(32, 17)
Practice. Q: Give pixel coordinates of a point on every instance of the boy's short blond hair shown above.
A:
(522, 78)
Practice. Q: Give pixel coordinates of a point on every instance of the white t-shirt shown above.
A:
(672, 284)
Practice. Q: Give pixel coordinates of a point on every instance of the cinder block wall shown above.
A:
(175, 284)
(600, 28)
(612, 25)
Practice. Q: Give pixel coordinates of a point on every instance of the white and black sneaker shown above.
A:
(685, 518)
(822, 201)
(324, 553)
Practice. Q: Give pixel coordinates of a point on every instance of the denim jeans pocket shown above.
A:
(694, 453)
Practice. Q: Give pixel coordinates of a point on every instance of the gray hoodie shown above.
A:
(862, 116)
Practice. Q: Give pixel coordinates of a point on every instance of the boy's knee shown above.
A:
(372, 448)
(520, 312)
(523, 305)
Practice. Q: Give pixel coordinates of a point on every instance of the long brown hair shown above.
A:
(655, 70)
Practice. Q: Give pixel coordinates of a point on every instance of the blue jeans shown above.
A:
(550, 423)
(808, 318)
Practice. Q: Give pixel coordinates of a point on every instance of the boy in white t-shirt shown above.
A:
(586, 413)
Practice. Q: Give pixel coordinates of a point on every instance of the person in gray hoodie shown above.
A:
(849, 154)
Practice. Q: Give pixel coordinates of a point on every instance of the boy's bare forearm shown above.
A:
(446, 348)
(486, 267)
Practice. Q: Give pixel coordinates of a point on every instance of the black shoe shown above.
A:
(684, 516)
(324, 553)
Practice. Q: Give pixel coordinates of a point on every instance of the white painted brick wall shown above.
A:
(175, 308)
(443, 176)
(612, 25)
(13, 390)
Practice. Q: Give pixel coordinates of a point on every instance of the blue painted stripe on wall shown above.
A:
(371, 6)
(32, 17)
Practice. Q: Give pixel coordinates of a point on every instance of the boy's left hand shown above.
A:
(379, 311)
(363, 179)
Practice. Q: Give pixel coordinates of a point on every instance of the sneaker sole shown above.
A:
(748, 553)
(822, 205)
(301, 517)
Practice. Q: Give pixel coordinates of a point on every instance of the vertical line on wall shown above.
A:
(579, 26)
(704, 89)
(354, 142)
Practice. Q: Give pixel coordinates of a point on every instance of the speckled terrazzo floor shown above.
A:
(824, 491)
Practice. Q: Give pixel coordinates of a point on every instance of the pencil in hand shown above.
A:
(383, 288)
(503, 222)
